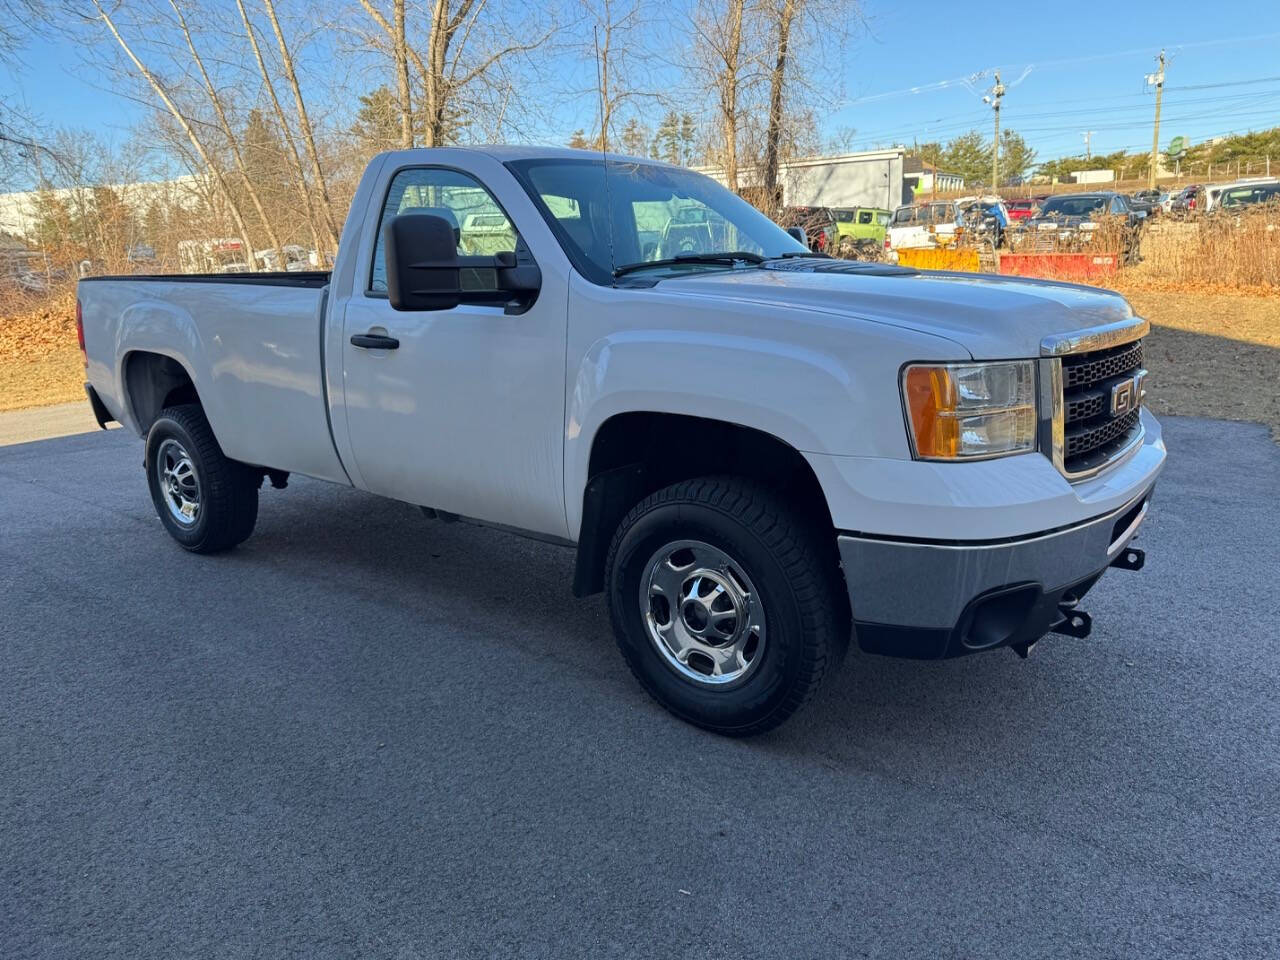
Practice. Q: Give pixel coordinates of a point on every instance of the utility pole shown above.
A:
(997, 92)
(1088, 144)
(1156, 78)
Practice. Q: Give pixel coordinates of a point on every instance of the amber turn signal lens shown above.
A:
(931, 399)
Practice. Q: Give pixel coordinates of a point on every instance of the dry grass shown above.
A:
(1213, 355)
(40, 362)
(1223, 253)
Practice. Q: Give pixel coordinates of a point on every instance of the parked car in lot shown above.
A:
(757, 454)
(1074, 218)
(1147, 202)
(860, 227)
(1240, 190)
(1022, 209)
(1235, 199)
(818, 223)
(1187, 200)
(924, 225)
(984, 218)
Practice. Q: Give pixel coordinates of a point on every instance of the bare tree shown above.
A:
(201, 149)
(720, 48)
(400, 52)
(232, 142)
(793, 27)
(402, 76)
(624, 62)
(466, 46)
(304, 120)
(323, 229)
(19, 142)
(786, 14)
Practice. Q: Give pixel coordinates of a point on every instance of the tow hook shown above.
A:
(1130, 558)
(1074, 623)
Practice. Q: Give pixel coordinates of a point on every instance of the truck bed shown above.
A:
(252, 344)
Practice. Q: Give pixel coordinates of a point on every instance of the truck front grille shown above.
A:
(1101, 396)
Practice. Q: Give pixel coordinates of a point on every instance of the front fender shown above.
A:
(819, 383)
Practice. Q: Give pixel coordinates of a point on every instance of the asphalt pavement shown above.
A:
(364, 733)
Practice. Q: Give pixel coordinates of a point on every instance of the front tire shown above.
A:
(724, 605)
(207, 502)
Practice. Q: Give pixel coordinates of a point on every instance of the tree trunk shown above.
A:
(300, 181)
(606, 105)
(729, 92)
(401, 54)
(304, 121)
(777, 78)
(236, 155)
(196, 142)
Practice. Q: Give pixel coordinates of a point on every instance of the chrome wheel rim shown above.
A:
(179, 484)
(702, 613)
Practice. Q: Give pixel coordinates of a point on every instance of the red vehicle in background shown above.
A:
(1024, 209)
(1187, 201)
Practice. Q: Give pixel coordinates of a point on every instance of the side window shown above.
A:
(479, 224)
(864, 216)
(1117, 205)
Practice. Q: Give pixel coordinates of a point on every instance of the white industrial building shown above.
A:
(874, 178)
(19, 211)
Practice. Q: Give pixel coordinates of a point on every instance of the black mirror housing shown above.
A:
(799, 234)
(422, 262)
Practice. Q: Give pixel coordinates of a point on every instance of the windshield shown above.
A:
(645, 212)
(1072, 206)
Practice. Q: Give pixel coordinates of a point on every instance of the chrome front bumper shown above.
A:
(929, 600)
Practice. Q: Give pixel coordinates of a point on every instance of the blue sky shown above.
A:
(1070, 67)
(1086, 60)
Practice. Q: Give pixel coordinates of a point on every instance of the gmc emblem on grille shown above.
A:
(1127, 394)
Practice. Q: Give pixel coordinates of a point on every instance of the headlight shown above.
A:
(960, 411)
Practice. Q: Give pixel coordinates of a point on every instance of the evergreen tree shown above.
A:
(968, 155)
(635, 138)
(377, 126)
(687, 137)
(667, 142)
(1016, 158)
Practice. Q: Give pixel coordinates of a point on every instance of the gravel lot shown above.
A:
(367, 734)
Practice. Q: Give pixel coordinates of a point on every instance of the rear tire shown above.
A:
(207, 502)
(722, 573)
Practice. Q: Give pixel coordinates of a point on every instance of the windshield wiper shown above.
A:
(729, 257)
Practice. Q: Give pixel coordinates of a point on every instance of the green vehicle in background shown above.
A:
(860, 227)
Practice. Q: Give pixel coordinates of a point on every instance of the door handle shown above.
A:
(374, 341)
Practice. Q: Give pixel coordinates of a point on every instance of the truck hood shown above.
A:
(993, 317)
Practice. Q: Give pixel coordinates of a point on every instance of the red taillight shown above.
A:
(886, 241)
(80, 332)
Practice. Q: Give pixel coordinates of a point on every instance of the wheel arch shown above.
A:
(153, 381)
(637, 452)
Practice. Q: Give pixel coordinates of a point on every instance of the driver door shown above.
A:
(466, 412)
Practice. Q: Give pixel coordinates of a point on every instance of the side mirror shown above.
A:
(799, 234)
(422, 262)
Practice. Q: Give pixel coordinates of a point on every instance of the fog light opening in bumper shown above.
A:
(998, 617)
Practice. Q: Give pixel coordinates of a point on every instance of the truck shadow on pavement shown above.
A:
(507, 589)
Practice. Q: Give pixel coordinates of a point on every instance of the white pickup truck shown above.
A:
(756, 452)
